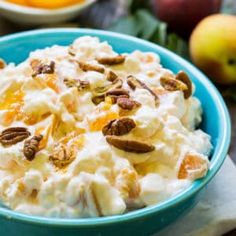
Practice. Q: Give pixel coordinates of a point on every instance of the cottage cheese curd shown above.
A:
(86, 141)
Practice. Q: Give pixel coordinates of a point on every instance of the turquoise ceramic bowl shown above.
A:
(216, 122)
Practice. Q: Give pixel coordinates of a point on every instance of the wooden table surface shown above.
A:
(6, 28)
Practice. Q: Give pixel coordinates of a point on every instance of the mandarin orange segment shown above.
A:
(45, 132)
(148, 58)
(39, 130)
(101, 121)
(73, 135)
(13, 102)
(10, 98)
(19, 2)
(78, 142)
(51, 82)
(190, 162)
(45, 129)
(107, 104)
(129, 186)
(30, 120)
(9, 117)
(50, 4)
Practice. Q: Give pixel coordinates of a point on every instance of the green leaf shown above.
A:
(127, 25)
(144, 25)
(160, 35)
(172, 42)
(147, 23)
(135, 5)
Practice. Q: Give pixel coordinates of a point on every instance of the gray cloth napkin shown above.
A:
(215, 214)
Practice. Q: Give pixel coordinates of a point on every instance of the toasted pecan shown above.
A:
(119, 126)
(127, 104)
(183, 77)
(62, 155)
(13, 135)
(129, 145)
(71, 51)
(31, 147)
(136, 83)
(79, 84)
(42, 68)
(114, 94)
(117, 92)
(98, 99)
(115, 60)
(91, 67)
(172, 84)
(100, 93)
(2, 64)
(111, 76)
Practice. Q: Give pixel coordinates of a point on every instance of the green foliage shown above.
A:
(229, 93)
(135, 5)
(144, 25)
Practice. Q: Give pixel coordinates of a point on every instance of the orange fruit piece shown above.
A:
(190, 163)
(11, 97)
(51, 4)
(12, 101)
(19, 2)
(101, 121)
(51, 82)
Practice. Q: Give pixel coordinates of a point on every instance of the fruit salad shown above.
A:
(88, 132)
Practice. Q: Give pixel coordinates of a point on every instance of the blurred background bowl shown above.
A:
(29, 16)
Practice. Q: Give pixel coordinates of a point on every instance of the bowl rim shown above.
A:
(13, 7)
(223, 145)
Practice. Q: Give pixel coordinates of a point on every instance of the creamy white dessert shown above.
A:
(86, 132)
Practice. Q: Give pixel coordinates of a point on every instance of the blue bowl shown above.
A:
(216, 122)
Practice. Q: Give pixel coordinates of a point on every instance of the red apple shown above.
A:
(183, 15)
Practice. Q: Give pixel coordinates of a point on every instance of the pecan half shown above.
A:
(183, 77)
(79, 84)
(70, 82)
(62, 155)
(133, 82)
(99, 93)
(114, 98)
(41, 68)
(13, 135)
(119, 59)
(129, 145)
(116, 84)
(83, 85)
(98, 99)
(71, 51)
(172, 84)
(127, 103)
(114, 94)
(136, 83)
(117, 92)
(90, 67)
(119, 127)
(31, 147)
(111, 76)
(2, 64)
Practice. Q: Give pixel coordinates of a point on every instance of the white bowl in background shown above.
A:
(29, 16)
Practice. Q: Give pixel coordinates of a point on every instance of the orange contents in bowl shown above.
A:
(51, 4)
